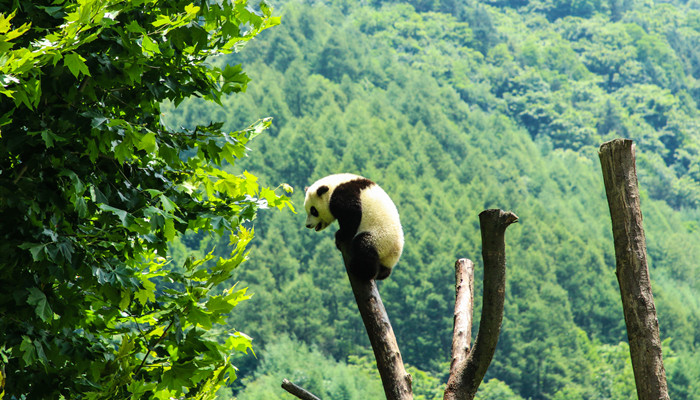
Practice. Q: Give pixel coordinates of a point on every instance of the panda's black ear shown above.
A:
(321, 190)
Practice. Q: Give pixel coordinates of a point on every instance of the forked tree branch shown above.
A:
(465, 379)
(620, 177)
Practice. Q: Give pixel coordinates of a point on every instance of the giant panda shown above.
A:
(368, 219)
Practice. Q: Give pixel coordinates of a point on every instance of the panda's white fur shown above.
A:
(367, 217)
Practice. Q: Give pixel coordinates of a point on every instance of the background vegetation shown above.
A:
(455, 107)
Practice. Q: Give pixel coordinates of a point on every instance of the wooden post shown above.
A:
(617, 159)
(395, 379)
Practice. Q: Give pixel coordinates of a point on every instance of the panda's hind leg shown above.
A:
(364, 260)
(383, 273)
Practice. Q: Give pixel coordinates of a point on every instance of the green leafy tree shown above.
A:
(93, 187)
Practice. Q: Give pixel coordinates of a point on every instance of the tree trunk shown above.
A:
(620, 177)
(395, 379)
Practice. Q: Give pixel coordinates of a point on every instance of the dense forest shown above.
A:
(455, 107)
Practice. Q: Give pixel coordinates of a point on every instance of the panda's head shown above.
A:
(317, 205)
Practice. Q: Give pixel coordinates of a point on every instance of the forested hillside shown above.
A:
(455, 108)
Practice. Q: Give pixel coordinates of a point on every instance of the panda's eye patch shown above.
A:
(314, 211)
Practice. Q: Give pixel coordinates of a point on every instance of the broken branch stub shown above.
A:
(298, 391)
(462, 332)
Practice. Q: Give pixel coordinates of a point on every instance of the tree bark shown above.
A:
(395, 379)
(465, 379)
(617, 159)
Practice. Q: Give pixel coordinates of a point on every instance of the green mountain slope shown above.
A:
(455, 108)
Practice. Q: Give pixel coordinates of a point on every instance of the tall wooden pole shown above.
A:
(617, 159)
(395, 379)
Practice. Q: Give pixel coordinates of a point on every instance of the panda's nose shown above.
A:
(309, 226)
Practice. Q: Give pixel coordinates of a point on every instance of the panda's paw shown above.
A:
(383, 273)
(342, 240)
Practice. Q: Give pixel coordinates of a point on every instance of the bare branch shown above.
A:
(462, 335)
(493, 228)
(620, 177)
(298, 391)
(395, 379)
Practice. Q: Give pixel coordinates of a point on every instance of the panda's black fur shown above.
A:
(367, 218)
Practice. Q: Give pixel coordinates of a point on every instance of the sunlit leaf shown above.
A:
(148, 143)
(76, 64)
(149, 46)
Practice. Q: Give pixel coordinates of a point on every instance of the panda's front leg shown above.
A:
(364, 260)
(342, 238)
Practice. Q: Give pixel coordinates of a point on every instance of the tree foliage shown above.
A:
(93, 187)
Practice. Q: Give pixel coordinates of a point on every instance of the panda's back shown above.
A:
(381, 219)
